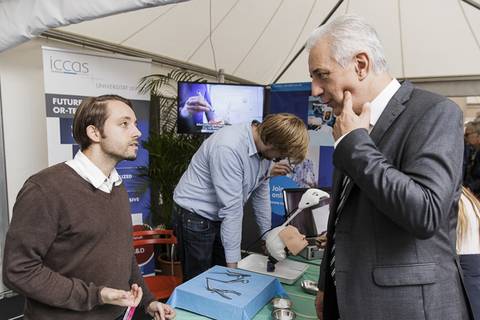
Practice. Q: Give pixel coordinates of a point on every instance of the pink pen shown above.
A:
(129, 313)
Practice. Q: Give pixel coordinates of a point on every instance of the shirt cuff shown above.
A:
(265, 233)
(232, 255)
(99, 296)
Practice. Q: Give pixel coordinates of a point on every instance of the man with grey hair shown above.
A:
(398, 167)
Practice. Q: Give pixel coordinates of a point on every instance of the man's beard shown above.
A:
(122, 156)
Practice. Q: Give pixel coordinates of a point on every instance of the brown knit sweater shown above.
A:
(68, 240)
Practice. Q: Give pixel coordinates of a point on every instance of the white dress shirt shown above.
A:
(378, 105)
(90, 172)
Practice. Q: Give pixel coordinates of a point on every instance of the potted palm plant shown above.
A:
(170, 152)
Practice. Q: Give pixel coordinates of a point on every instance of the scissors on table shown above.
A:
(221, 292)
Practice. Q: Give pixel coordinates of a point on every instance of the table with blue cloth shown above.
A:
(303, 303)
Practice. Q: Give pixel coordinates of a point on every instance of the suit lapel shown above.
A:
(336, 190)
(394, 108)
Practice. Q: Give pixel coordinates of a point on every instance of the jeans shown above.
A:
(199, 242)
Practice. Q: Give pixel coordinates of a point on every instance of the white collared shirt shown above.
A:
(90, 172)
(378, 105)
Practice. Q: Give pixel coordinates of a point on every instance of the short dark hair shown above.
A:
(93, 111)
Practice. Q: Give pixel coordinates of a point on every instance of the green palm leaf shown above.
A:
(170, 153)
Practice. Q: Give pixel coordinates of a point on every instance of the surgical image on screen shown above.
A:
(206, 108)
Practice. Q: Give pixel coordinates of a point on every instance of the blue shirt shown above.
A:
(221, 177)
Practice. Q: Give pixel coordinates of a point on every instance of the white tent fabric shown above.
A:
(21, 20)
(255, 39)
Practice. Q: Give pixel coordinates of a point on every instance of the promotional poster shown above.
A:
(316, 171)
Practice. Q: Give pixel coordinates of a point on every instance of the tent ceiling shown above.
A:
(255, 39)
(21, 20)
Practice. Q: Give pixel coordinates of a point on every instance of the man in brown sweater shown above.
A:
(69, 247)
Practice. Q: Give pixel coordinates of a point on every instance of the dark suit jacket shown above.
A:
(395, 237)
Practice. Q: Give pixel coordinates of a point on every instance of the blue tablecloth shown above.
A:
(194, 296)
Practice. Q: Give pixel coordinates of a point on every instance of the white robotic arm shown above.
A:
(310, 198)
(274, 243)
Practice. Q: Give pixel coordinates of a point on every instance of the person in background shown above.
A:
(467, 150)
(391, 233)
(468, 246)
(230, 167)
(471, 176)
(69, 247)
(303, 173)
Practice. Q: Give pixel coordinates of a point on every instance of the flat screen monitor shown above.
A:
(207, 107)
(312, 221)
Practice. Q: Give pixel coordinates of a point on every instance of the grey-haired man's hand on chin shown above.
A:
(348, 120)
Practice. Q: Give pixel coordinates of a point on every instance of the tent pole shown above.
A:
(221, 75)
(472, 3)
(303, 47)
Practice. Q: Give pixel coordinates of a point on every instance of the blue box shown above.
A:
(193, 295)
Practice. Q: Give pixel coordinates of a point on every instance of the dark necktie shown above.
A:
(341, 204)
